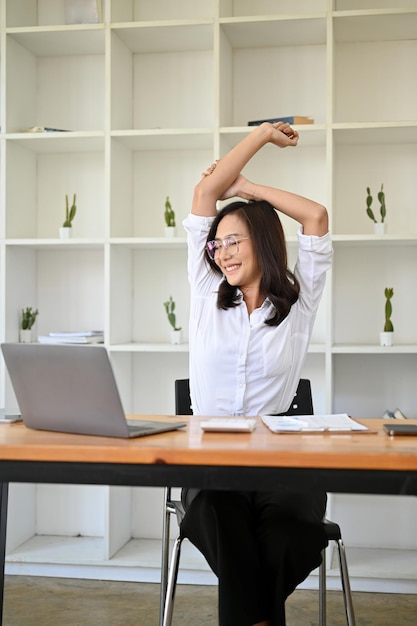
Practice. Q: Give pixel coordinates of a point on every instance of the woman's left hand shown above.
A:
(237, 189)
(210, 169)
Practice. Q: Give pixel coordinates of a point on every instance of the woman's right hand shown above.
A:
(281, 134)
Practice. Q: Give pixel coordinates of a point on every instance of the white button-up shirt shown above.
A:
(238, 364)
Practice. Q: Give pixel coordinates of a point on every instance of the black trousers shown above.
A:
(259, 545)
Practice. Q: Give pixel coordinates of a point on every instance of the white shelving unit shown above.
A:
(151, 95)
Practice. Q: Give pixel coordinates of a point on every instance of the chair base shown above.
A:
(333, 534)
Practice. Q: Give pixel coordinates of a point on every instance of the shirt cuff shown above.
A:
(199, 222)
(315, 243)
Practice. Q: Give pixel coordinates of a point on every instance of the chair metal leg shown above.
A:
(165, 555)
(347, 593)
(322, 589)
(172, 582)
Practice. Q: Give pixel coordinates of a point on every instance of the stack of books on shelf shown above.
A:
(82, 336)
(289, 119)
(396, 414)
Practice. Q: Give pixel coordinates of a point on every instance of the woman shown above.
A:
(250, 324)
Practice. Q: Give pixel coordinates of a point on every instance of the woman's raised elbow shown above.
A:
(204, 202)
(317, 222)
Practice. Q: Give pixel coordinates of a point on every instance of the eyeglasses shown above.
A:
(231, 244)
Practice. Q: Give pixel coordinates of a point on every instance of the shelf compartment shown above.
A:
(72, 532)
(137, 203)
(358, 166)
(360, 94)
(152, 275)
(166, 88)
(67, 286)
(37, 208)
(359, 281)
(48, 89)
(263, 56)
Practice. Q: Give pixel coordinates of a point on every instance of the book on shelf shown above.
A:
(396, 414)
(86, 336)
(77, 333)
(78, 340)
(44, 129)
(289, 119)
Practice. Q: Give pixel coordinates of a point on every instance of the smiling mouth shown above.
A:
(231, 268)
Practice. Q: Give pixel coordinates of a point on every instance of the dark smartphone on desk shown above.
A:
(400, 429)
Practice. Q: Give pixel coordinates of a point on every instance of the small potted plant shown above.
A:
(387, 336)
(170, 311)
(379, 227)
(29, 316)
(169, 214)
(70, 211)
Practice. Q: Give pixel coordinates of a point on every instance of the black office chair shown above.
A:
(302, 404)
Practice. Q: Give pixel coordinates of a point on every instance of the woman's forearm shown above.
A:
(212, 187)
(311, 215)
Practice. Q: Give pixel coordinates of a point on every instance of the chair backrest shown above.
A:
(302, 403)
(182, 397)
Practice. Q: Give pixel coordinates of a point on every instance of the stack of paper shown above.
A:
(82, 336)
(340, 422)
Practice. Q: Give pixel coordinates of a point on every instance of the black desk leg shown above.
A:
(4, 491)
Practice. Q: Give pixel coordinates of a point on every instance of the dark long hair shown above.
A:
(278, 283)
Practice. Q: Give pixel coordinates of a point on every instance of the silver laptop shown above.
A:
(72, 389)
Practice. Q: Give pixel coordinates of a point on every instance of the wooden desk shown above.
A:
(342, 463)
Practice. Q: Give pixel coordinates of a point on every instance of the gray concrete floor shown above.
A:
(33, 601)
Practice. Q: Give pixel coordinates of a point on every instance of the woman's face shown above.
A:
(240, 268)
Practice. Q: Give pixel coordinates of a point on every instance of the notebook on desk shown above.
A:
(72, 389)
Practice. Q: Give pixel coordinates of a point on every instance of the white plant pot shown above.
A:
(379, 228)
(386, 339)
(170, 231)
(65, 232)
(176, 336)
(25, 335)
